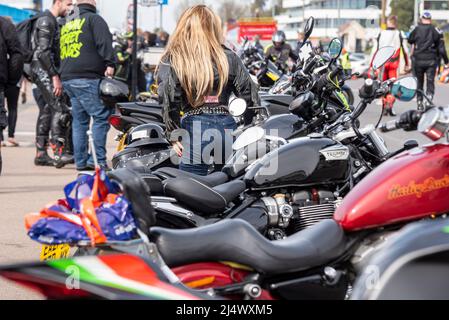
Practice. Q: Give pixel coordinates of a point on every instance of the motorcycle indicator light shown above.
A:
(116, 121)
(434, 124)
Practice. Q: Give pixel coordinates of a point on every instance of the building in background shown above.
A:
(355, 21)
(438, 8)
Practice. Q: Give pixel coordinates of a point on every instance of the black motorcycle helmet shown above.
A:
(278, 39)
(146, 135)
(113, 91)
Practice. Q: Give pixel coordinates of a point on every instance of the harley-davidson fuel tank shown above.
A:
(410, 186)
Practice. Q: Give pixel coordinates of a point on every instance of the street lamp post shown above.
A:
(383, 19)
(161, 15)
(416, 15)
(134, 55)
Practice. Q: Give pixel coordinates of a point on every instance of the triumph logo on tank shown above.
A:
(418, 189)
(335, 153)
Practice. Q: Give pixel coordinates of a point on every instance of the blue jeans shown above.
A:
(87, 104)
(209, 141)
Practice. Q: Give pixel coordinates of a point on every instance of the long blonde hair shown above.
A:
(195, 50)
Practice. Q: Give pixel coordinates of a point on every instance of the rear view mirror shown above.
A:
(308, 28)
(335, 48)
(405, 89)
(382, 56)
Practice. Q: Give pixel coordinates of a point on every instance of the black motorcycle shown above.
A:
(297, 183)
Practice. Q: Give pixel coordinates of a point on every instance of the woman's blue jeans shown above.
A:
(209, 141)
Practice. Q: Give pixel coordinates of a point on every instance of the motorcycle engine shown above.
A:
(289, 213)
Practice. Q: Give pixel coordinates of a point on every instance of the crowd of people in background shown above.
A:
(123, 47)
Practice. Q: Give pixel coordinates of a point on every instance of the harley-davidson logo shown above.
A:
(418, 189)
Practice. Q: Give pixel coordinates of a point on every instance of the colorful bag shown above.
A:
(91, 211)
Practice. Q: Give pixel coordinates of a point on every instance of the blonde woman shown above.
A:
(196, 78)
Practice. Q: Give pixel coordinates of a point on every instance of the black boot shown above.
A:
(58, 153)
(428, 104)
(64, 160)
(42, 158)
(392, 112)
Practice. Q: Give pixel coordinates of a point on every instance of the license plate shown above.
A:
(54, 252)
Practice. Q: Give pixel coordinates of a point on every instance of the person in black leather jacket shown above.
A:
(44, 73)
(11, 67)
(427, 53)
(195, 94)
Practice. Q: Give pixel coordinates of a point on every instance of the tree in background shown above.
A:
(266, 8)
(404, 9)
(231, 9)
(185, 4)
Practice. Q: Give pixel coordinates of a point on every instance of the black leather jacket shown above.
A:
(174, 101)
(11, 58)
(280, 55)
(46, 44)
(429, 44)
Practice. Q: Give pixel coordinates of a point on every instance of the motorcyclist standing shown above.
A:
(11, 66)
(124, 54)
(392, 37)
(280, 51)
(427, 53)
(346, 62)
(44, 73)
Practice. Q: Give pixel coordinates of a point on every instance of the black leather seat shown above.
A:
(202, 198)
(211, 180)
(237, 241)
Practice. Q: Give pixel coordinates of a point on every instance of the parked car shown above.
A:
(359, 62)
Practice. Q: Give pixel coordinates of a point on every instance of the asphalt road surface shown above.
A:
(25, 188)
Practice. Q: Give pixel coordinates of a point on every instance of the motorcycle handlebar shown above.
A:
(368, 89)
(390, 126)
(408, 121)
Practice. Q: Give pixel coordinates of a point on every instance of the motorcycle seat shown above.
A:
(200, 197)
(212, 180)
(237, 241)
